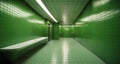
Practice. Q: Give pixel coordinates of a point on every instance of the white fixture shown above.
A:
(35, 21)
(100, 3)
(45, 9)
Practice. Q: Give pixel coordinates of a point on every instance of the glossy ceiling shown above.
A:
(64, 11)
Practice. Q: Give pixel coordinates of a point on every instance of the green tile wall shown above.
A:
(67, 31)
(101, 35)
(55, 31)
(15, 29)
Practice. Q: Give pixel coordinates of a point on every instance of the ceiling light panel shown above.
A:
(65, 11)
(39, 9)
(45, 9)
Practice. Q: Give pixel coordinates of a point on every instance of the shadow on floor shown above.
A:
(29, 54)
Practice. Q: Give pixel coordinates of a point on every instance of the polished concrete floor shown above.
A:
(63, 51)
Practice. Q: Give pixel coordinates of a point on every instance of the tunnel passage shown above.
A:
(91, 26)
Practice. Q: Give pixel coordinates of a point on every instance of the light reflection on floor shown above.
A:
(63, 51)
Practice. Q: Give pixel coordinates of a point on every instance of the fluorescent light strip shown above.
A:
(35, 21)
(100, 3)
(45, 9)
(81, 23)
(64, 16)
(24, 44)
(13, 10)
(66, 26)
(100, 16)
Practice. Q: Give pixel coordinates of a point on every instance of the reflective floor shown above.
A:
(63, 51)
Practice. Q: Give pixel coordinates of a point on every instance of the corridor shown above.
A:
(64, 51)
(59, 31)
